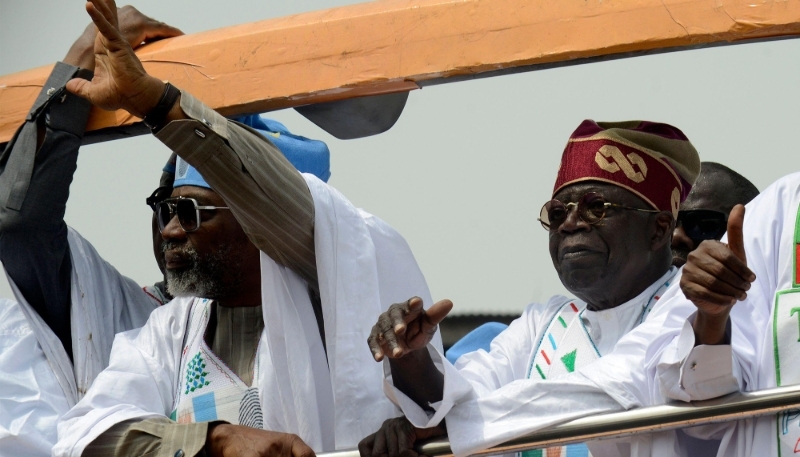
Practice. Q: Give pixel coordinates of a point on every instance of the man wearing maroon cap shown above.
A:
(610, 221)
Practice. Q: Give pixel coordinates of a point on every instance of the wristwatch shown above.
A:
(156, 116)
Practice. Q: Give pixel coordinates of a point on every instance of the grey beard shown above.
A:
(204, 277)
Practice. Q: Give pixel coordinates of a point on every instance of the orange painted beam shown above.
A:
(396, 45)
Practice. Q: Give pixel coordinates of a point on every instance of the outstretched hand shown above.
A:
(120, 81)
(405, 328)
(137, 29)
(715, 277)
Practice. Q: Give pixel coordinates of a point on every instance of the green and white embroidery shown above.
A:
(196, 374)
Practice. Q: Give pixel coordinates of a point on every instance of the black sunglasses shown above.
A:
(592, 209)
(703, 224)
(186, 209)
(158, 195)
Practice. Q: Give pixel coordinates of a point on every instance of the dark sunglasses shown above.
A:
(592, 209)
(158, 195)
(186, 209)
(703, 224)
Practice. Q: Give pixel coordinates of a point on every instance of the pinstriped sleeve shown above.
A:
(157, 437)
(266, 194)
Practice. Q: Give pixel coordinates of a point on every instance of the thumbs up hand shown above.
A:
(714, 278)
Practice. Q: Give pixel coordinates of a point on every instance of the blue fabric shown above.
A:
(480, 338)
(205, 407)
(308, 156)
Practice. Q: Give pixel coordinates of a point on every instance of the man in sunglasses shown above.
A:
(609, 222)
(704, 214)
(744, 332)
(277, 278)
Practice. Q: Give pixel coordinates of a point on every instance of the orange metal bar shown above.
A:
(394, 45)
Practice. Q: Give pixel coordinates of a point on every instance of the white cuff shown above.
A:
(456, 388)
(689, 373)
(708, 372)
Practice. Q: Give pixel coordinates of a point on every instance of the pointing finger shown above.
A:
(438, 311)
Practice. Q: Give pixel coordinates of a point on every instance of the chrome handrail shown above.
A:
(633, 422)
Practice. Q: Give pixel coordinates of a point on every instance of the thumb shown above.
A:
(735, 236)
(438, 311)
(79, 87)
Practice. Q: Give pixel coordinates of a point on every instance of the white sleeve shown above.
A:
(475, 373)
(523, 407)
(31, 398)
(620, 380)
(139, 382)
(688, 373)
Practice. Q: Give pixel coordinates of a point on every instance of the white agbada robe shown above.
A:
(488, 400)
(31, 399)
(363, 267)
(691, 373)
(38, 382)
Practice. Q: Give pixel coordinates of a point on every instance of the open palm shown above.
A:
(120, 81)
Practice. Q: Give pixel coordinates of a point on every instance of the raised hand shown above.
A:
(120, 81)
(715, 277)
(137, 29)
(396, 438)
(405, 328)
(226, 440)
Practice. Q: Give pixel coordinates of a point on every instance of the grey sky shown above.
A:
(467, 167)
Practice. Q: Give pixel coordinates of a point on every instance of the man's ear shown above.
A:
(663, 227)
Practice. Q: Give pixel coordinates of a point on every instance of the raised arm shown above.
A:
(37, 169)
(267, 195)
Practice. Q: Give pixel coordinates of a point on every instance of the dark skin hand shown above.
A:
(402, 333)
(226, 440)
(120, 81)
(136, 28)
(396, 438)
(714, 278)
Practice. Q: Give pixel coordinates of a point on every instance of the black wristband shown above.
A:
(157, 115)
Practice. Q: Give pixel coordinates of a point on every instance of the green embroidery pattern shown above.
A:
(569, 360)
(195, 374)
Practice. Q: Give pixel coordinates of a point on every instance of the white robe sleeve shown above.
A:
(139, 382)
(31, 398)
(691, 373)
(477, 372)
(617, 381)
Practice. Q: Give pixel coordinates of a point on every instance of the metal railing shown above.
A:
(633, 422)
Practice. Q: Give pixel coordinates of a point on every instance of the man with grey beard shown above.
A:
(277, 278)
(704, 214)
(69, 298)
